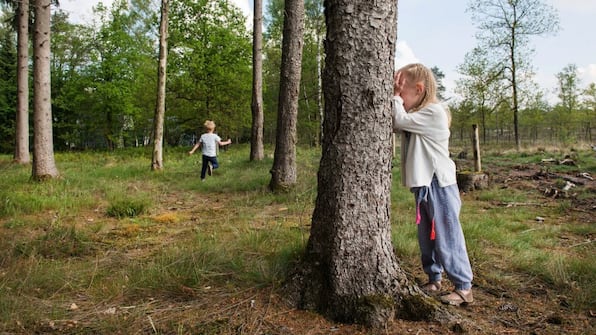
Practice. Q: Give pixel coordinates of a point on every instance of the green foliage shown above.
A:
(210, 62)
(8, 89)
(122, 208)
(311, 99)
(102, 74)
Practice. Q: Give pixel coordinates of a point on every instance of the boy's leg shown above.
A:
(214, 162)
(204, 167)
(212, 165)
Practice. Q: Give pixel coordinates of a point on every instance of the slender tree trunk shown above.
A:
(256, 140)
(44, 166)
(320, 106)
(283, 172)
(515, 97)
(160, 108)
(349, 272)
(21, 153)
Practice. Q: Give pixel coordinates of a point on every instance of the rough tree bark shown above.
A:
(283, 172)
(160, 109)
(349, 271)
(256, 140)
(21, 153)
(44, 165)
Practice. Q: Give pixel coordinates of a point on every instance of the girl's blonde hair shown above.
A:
(209, 125)
(417, 73)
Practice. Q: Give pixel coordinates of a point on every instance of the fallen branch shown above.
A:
(515, 204)
(583, 243)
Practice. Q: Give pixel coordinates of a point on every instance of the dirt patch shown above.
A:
(577, 187)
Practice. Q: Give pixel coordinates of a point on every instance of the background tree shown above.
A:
(439, 76)
(160, 109)
(480, 87)
(311, 91)
(21, 153)
(256, 138)
(566, 113)
(123, 49)
(310, 102)
(349, 271)
(505, 28)
(210, 60)
(534, 115)
(463, 116)
(44, 166)
(18, 16)
(272, 37)
(8, 90)
(589, 108)
(283, 172)
(71, 50)
(569, 91)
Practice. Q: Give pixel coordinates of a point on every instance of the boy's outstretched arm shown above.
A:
(226, 142)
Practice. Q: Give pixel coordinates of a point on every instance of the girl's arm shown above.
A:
(420, 122)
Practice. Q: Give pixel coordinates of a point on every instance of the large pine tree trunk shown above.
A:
(283, 172)
(21, 153)
(160, 109)
(44, 166)
(349, 272)
(256, 141)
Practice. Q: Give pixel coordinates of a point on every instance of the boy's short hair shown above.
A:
(209, 125)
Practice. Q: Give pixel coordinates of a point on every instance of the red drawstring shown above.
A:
(432, 230)
(432, 225)
(418, 213)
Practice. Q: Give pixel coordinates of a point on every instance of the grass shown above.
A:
(110, 232)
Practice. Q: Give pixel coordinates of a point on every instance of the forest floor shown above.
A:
(532, 307)
(529, 306)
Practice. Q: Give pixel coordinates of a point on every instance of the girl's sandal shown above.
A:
(458, 297)
(431, 287)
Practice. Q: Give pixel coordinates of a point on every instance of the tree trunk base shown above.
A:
(304, 290)
(470, 181)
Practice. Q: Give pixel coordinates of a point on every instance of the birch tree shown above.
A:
(505, 27)
(256, 139)
(160, 109)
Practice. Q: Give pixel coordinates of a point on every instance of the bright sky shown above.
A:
(439, 33)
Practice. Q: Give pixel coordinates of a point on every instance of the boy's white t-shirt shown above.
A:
(209, 144)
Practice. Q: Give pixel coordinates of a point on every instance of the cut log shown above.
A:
(470, 181)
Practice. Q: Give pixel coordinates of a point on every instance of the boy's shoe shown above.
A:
(209, 168)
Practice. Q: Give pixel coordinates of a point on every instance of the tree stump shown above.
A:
(469, 181)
